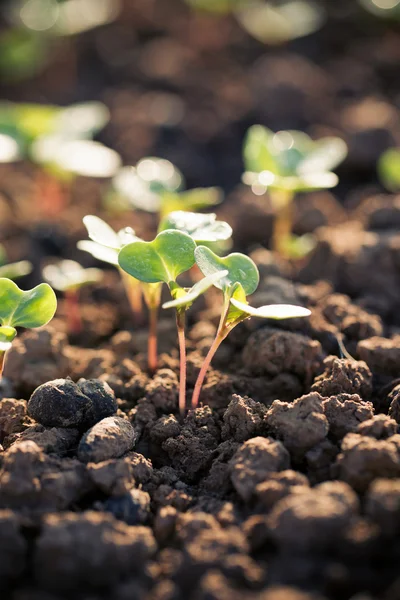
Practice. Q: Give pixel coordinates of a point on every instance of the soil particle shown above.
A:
(112, 477)
(382, 355)
(394, 399)
(277, 486)
(89, 549)
(33, 481)
(142, 467)
(162, 391)
(165, 427)
(127, 380)
(13, 548)
(342, 375)
(164, 523)
(300, 425)
(254, 461)
(379, 427)
(243, 419)
(12, 416)
(363, 459)
(133, 507)
(35, 357)
(345, 412)
(319, 461)
(63, 403)
(110, 438)
(55, 440)
(218, 480)
(313, 519)
(383, 505)
(269, 352)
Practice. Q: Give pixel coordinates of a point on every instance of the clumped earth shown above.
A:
(285, 484)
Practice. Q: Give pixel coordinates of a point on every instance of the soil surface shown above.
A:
(285, 483)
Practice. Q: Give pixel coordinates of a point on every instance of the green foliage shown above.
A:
(290, 160)
(22, 54)
(16, 270)
(271, 311)
(240, 269)
(184, 298)
(389, 169)
(162, 260)
(105, 242)
(202, 228)
(155, 185)
(216, 6)
(31, 308)
(68, 275)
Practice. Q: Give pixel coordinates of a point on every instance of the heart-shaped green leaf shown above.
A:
(202, 228)
(162, 260)
(186, 299)
(70, 275)
(99, 231)
(32, 308)
(272, 311)
(241, 269)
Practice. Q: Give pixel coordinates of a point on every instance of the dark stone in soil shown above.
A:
(133, 507)
(89, 549)
(63, 403)
(110, 438)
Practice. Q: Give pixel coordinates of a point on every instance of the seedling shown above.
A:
(156, 185)
(58, 140)
(70, 277)
(13, 270)
(104, 245)
(162, 261)
(389, 169)
(18, 308)
(240, 279)
(286, 163)
(202, 228)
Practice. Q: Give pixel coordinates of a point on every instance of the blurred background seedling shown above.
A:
(284, 164)
(388, 168)
(69, 277)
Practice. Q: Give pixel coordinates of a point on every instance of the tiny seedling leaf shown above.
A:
(162, 260)
(16, 270)
(99, 231)
(197, 290)
(70, 275)
(32, 308)
(241, 269)
(389, 169)
(7, 335)
(202, 228)
(272, 311)
(100, 252)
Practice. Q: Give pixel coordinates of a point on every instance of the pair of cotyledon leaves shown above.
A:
(174, 252)
(291, 160)
(105, 243)
(18, 308)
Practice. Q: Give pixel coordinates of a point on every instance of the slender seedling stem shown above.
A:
(282, 203)
(180, 323)
(2, 359)
(74, 317)
(152, 343)
(200, 379)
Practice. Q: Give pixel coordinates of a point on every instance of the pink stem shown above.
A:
(152, 343)
(182, 352)
(200, 379)
(74, 317)
(2, 359)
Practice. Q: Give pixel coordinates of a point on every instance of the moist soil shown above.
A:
(285, 483)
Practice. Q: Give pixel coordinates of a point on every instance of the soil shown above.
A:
(285, 483)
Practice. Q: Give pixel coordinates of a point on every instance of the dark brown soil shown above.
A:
(285, 483)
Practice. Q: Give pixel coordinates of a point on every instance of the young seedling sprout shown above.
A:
(104, 245)
(240, 279)
(30, 309)
(156, 185)
(169, 255)
(286, 163)
(69, 277)
(13, 270)
(388, 168)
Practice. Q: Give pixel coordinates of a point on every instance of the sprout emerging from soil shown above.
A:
(286, 163)
(239, 278)
(32, 308)
(104, 245)
(389, 169)
(69, 277)
(156, 185)
(202, 228)
(13, 270)
(169, 255)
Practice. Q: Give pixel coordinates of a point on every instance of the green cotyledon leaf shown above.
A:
(162, 260)
(31, 308)
(241, 269)
(202, 228)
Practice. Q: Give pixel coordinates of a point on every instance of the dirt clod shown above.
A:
(110, 438)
